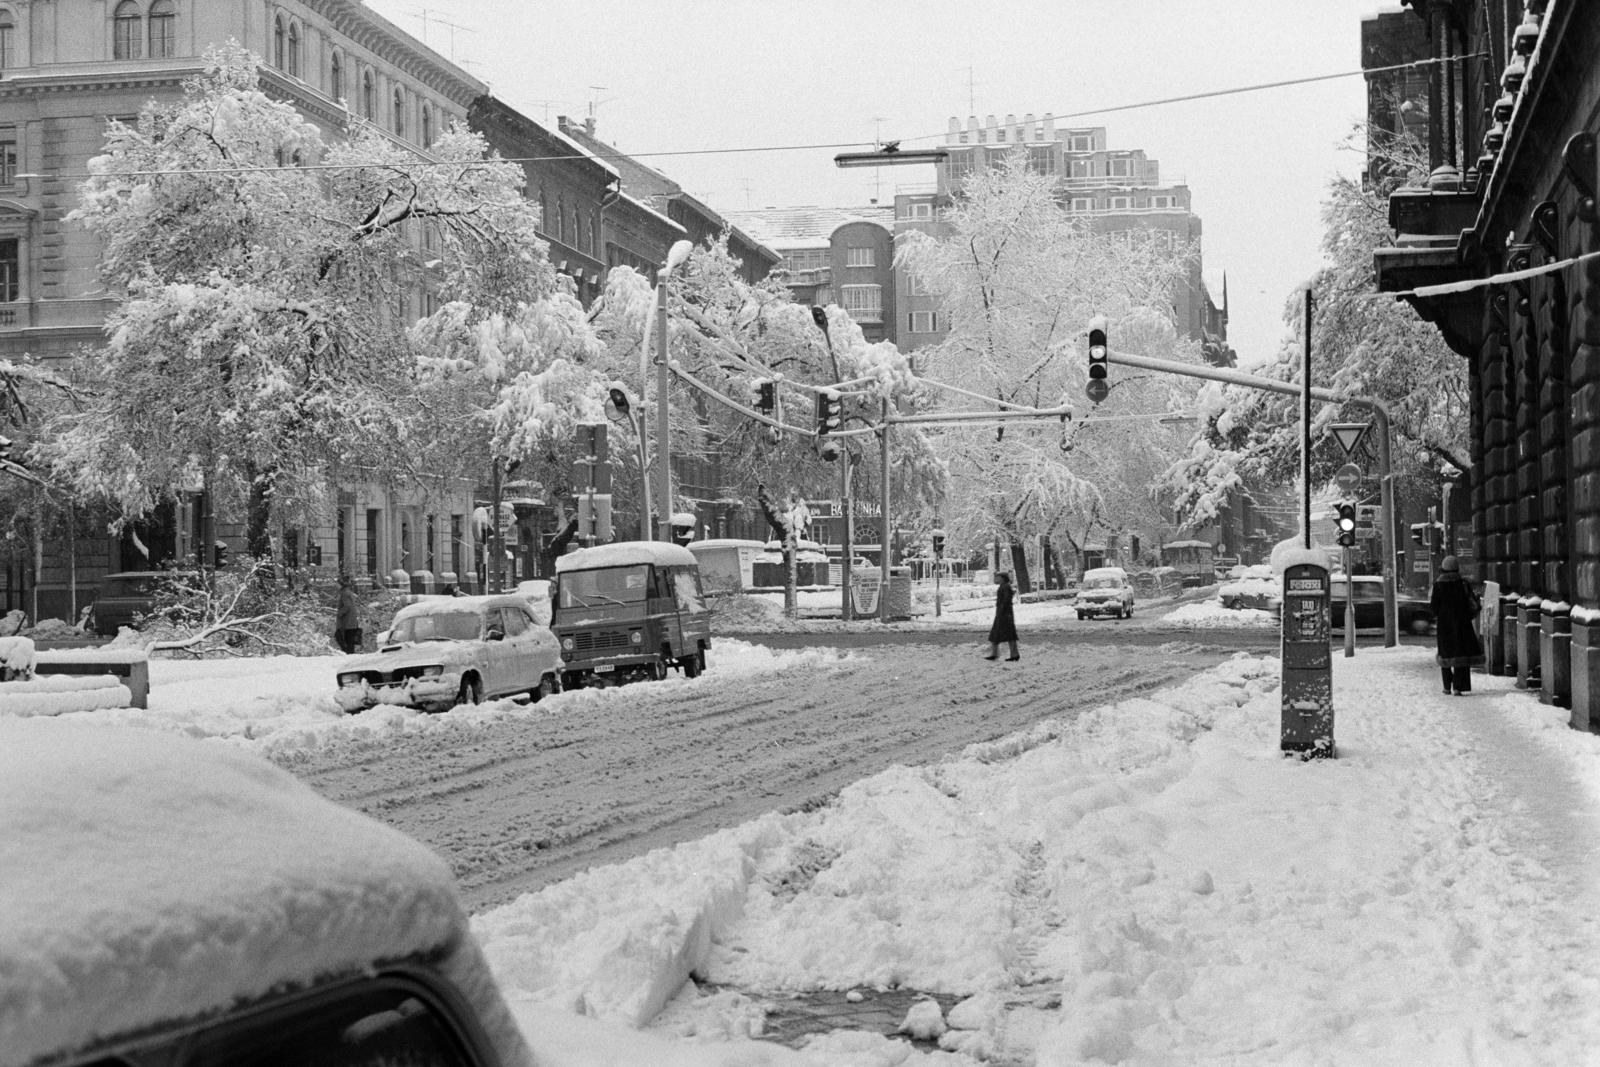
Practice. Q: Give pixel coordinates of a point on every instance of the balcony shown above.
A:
(1430, 226)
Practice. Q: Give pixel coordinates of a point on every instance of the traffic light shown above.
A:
(830, 413)
(938, 542)
(1345, 518)
(219, 554)
(1098, 387)
(766, 395)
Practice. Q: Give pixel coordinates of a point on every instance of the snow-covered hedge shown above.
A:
(57, 694)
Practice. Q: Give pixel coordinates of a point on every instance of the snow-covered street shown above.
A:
(1129, 879)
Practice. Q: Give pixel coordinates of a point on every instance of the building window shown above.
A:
(399, 113)
(7, 35)
(369, 96)
(336, 77)
(922, 211)
(1121, 203)
(1161, 201)
(277, 42)
(163, 30)
(859, 257)
(10, 270)
(8, 159)
(1119, 167)
(1082, 142)
(125, 31)
(923, 322)
(427, 126)
(292, 51)
(1041, 159)
(1084, 204)
(863, 299)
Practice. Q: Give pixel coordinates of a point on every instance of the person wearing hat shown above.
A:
(1455, 613)
(1004, 628)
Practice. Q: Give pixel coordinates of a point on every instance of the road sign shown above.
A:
(1348, 477)
(1348, 434)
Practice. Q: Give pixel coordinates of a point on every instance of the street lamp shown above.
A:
(675, 256)
(619, 408)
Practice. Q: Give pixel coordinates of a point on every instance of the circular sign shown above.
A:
(1348, 477)
(1097, 389)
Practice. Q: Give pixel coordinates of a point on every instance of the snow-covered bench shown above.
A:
(59, 680)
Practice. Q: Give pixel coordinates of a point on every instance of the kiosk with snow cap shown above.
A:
(177, 903)
(1307, 663)
(629, 611)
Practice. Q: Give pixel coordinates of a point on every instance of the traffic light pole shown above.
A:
(1380, 415)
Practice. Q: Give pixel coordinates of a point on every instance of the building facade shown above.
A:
(1498, 251)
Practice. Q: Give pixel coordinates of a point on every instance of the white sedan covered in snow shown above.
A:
(173, 902)
(445, 651)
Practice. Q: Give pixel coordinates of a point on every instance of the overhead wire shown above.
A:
(605, 156)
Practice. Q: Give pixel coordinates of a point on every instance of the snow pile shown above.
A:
(1149, 883)
(282, 707)
(16, 657)
(149, 878)
(1210, 614)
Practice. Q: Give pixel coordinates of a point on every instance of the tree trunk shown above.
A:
(258, 514)
(1019, 568)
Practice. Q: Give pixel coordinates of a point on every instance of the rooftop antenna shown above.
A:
(877, 142)
(453, 26)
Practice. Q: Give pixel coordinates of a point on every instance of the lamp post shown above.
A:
(619, 408)
(675, 256)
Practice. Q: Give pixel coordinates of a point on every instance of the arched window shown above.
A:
(399, 113)
(277, 42)
(427, 126)
(163, 30)
(292, 52)
(125, 34)
(369, 96)
(8, 29)
(336, 77)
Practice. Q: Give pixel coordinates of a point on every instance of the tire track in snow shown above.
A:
(599, 776)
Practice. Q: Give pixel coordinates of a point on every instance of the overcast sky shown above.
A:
(759, 75)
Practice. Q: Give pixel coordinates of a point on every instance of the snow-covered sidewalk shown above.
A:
(1151, 883)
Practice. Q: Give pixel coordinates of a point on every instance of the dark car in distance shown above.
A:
(1416, 614)
(125, 599)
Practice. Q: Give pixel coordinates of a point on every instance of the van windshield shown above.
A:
(606, 585)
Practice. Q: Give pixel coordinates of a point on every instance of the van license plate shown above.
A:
(604, 667)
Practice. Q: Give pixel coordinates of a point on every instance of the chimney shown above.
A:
(1012, 133)
(1032, 131)
(588, 125)
(953, 134)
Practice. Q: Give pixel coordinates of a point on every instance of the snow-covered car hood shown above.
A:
(1250, 587)
(448, 654)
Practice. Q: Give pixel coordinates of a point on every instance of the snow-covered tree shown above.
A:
(261, 340)
(1363, 345)
(1019, 279)
(726, 334)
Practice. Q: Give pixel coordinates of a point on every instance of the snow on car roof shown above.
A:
(725, 542)
(625, 553)
(149, 878)
(437, 604)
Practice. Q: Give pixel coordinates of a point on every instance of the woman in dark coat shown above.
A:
(1455, 606)
(1005, 626)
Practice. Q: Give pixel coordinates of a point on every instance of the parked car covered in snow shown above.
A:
(446, 650)
(1105, 591)
(178, 903)
(1252, 587)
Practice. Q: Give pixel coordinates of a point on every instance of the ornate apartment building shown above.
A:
(69, 66)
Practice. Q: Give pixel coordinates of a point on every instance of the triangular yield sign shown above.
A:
(1348, 434)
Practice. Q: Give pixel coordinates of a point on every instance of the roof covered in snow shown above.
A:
(626, 553)
(806, 227)
(148, 878)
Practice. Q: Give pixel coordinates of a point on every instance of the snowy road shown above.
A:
(599, 776)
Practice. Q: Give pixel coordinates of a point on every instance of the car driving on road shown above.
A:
(1416, 614)
(444, 651)
(177, 903)
(1105, 591)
